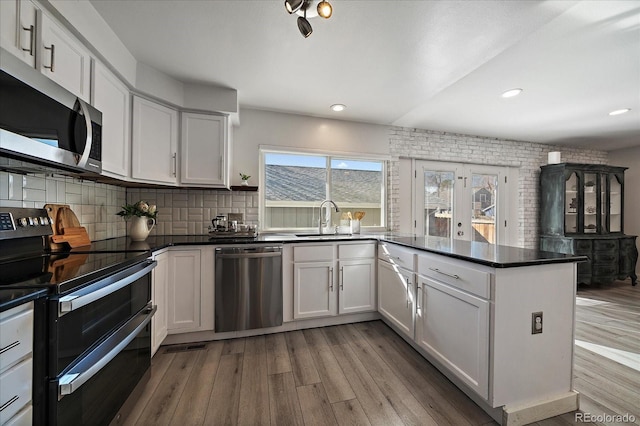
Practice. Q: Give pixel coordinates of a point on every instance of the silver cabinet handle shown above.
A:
(457, 277)
(53, 57)
(331, 278)
(104, 353)
(342, 278)
(84, 158)
(9, 402)
(175, 164)
(221, 166)
(418, 288)
(9, 346)
(408, 284)
(32, 39)
(103, 288)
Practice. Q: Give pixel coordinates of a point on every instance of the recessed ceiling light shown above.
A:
(338, 107)
(511, 93)
(620, 111)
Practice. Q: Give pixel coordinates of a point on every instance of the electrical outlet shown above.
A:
(536, 323)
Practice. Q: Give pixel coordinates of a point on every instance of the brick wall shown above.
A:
(451, 147)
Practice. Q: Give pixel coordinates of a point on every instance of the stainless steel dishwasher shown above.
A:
(248, 288)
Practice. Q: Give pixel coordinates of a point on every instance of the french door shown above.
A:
(461, 201)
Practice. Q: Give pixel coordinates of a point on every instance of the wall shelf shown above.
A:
(243, 188)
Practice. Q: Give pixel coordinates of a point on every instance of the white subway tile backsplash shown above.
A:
(29, 194)
(33, 182)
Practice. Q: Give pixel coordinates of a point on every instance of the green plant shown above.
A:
(139, 209)
(244, 177)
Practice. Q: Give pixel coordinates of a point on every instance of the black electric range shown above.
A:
(92, 342)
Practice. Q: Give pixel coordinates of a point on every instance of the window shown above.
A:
(296, 183)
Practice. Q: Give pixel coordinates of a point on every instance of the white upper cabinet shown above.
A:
(65, 60)
(111, 97)
(155, 142)
(204, 158)
(31, 35)
(18, 29)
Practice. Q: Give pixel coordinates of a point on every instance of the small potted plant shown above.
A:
(245, 179)
(143, 218)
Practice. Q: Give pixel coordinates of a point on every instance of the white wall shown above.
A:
(259, 127)
(630, 158)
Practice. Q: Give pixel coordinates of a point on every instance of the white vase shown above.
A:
(139, 227)
(245, 183)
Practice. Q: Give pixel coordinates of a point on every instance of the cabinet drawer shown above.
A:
(23, 418)
(627, 243)
(15, 389)
(397, 255)
(313, 253)
(456, 274)
(605, 270)
(602, 245)
(582, 246)
(600, 257)
(16, 338)
(356, 251)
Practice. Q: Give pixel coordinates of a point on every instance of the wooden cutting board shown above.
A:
(67, 231)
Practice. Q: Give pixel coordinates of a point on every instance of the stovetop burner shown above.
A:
(25, 262)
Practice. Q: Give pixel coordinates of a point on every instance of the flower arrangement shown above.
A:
(244, 177)
(139, 209)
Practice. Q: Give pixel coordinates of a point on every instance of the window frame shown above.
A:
(330, 155)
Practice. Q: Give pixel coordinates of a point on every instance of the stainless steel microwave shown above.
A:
(44, 123)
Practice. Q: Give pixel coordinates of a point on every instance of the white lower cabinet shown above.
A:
(396, 296)
(453, 327)
(314, 292)
(190, 290)
(332, 279)
(16, 364)
(160, 278)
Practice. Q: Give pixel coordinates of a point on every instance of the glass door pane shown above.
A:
(438, 203)
(615, 204)
(484, 194)
(590, 203)
(571, 204)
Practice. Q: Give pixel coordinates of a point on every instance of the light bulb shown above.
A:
(324, 9)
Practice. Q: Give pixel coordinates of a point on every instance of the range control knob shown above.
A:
(33, 221)
(44, 221)
(23, 222)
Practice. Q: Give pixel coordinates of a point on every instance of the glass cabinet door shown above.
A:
(571, 204)
(591, 189)
(615, 204)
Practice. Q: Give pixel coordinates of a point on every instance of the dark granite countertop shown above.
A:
(12, 297)
(481, 253)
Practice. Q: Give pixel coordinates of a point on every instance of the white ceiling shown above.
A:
(438, 65)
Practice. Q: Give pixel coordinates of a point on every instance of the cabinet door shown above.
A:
(203, 159)
(396, 296)
(18, 29)
(111, 97)
(154, 143)
(64, 59)
(184, 291)
(453, 326)
(314, 292)
(160, 277)
(357, 286)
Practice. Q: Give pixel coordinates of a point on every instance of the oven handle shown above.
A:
(104, 353)
(103, 287)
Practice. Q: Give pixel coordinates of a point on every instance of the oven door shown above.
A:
(93, 389)
(81, 319)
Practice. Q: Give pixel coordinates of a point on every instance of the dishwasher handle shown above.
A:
(248, 255)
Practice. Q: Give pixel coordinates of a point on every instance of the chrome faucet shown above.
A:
(321, 222)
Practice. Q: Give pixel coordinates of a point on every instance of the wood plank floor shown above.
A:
(364, 374)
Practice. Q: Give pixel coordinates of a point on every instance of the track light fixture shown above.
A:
(304, 26)
(308, 9)
(293, 6)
